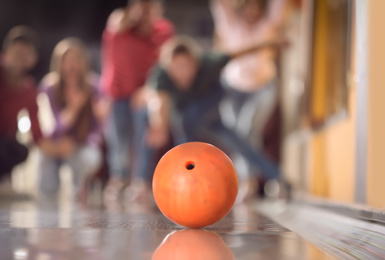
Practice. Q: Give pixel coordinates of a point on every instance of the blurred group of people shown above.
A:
(153, 85)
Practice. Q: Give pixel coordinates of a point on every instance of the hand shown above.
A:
(101, 109)
(139, 98)
(65, 147)
(157, 136)
(132, 15)
(282, 43)
(234, 4)
(77, 99)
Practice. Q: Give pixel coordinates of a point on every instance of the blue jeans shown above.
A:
(200, 120)
(86, 160)
(247, 113)
(128, 154)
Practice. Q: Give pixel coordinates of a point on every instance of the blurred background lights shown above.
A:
(24, 124)
(20, 254)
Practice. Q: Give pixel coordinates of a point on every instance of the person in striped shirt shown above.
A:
(130, 46)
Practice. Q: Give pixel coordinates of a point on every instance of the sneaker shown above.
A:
(138, 191)
(275, 189)
(138, 197)
(247, 190)
(112, 191)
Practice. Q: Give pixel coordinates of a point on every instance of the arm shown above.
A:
(76, 101)
(279, 11)
(223, 15)
(140, 98)
(64, 117)
(256, 47)
(33, 110)
(99, 101)
(61, 148)
(159, 107)
(68, 116)
(223, 10)
(123, 19)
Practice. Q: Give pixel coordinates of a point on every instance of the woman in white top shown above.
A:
(251, 79)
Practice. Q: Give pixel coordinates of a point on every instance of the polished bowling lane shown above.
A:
(33, 231)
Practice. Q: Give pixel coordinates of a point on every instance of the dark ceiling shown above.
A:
(54, 20)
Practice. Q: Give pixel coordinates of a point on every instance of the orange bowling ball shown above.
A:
(195, 184)
(193, 244)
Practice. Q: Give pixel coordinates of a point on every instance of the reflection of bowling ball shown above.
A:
(195, 184)
(193, 244)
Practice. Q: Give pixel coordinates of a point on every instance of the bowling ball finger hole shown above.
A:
(190, 165)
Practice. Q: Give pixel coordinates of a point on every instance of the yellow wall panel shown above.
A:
(341, 161)
(319, 169)
(332, 164)
(318, 92)
(376, 126)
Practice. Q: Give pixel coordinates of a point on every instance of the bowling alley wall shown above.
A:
(85, 19)
(333, 99)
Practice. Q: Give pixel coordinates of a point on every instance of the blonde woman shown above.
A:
(71, 88)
